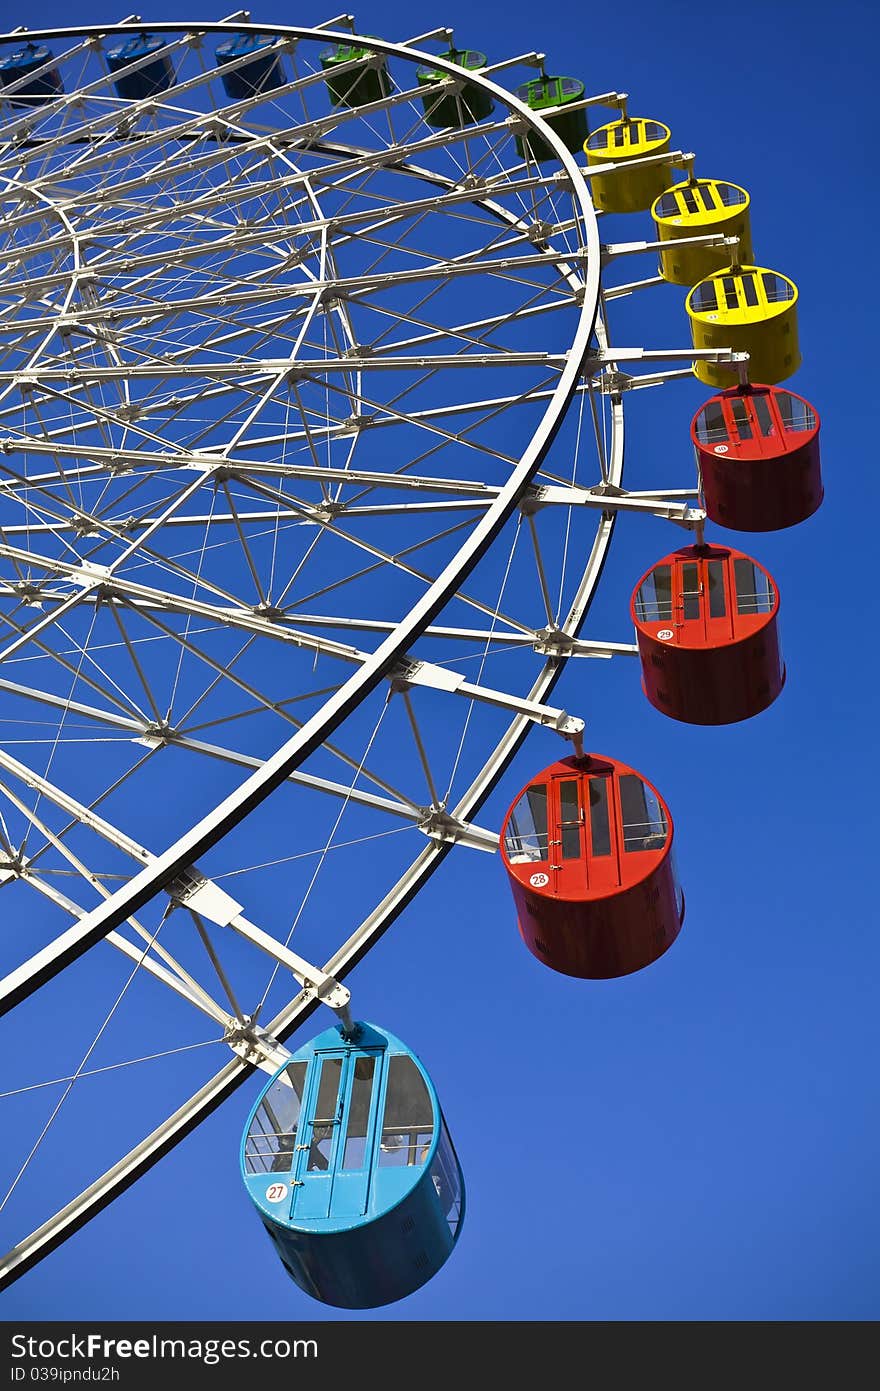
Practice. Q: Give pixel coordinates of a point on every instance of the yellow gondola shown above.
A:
(695, 209)
(631, 138)
(751, 310)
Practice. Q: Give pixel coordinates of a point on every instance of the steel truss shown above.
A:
(182, 354)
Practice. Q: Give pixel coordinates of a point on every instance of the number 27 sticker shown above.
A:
(276, 1192)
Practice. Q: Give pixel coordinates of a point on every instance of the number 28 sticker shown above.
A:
(539, 881)
(276, 1192)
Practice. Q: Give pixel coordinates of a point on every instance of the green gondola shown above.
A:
(542, 94)
(464, 106)
(355, 86)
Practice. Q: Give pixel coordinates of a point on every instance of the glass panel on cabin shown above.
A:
(741, 417)
(571, 87)
(272, 1135)
(717, 603)
(754, 590)
(526, 837)
(667, 205)
(766, 423)
(728, 284)
(711, 426)
(679, 891)
(653, 130)
(444, 1175)
(644, 824)
(408, 1122)
(796, 414)
(354, 1155)
(690, 592)
(600, 831)
(704, 298)
(750, 291)
(776, 287)
(690, 201)
(621, 134)
(598, 140)
(731, 197)
(654, 598)
(569, 820)
(325, 1116)
(706, 192)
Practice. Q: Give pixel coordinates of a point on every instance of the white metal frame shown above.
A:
(590, 368)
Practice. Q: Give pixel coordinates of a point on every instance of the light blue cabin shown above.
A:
(149, 77)
(30, 62)
(348, 1161)
(262, 72)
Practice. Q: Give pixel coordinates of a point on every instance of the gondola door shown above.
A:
(715, 589)
(334, 1160)
(316, 1155)
(567, 863)
(356, 1143)
(583, 841)
(703, 615)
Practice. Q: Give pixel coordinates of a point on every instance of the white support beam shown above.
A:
(631, 286)
(467, 833)
(614, 355)
(554, 641)
(612, 251)
(75, 809)
(195, 997)
(201, 895)
(612, 383)
(346, 20)
(254, 371)
(443, 828)
(609, 499)
(590, 171)
(257, 1047)
(342, 225)
(417, 673)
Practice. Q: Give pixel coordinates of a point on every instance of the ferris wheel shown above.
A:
(312, 442)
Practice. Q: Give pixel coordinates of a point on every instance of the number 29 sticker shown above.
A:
(664, 634)
(276, 1192)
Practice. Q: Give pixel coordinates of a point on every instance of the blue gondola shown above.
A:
(263, 73)
(146, 81)
(28, 60)
(348, 1161)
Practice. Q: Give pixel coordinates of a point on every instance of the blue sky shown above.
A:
(700, 1140)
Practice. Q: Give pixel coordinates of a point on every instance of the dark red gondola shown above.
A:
(588, 851)
(758, 451)
(706, 625)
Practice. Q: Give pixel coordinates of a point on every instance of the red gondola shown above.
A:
(758, 451)
(588, 851)
(706, 625)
